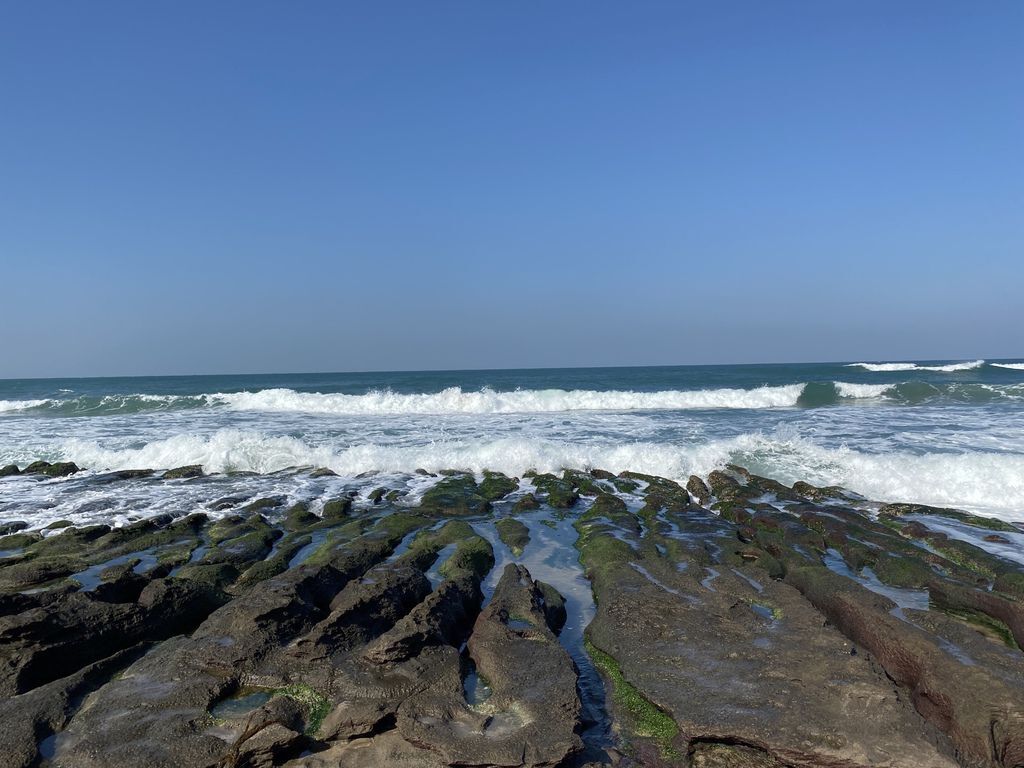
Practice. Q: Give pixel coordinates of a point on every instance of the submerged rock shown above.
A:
(60, 469)
(178, 473)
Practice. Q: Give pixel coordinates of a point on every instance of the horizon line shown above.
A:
(497, 369)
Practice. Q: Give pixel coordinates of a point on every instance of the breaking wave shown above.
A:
(1011, 366)
(946, 368)
(20, 405)
(973, 480)
(455, 400)
(486, 401)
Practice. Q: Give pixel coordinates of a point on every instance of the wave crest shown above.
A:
(454, 400)
(979, 480)
(20, 405)
(890, 367)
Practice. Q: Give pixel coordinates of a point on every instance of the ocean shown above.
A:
(946, 433)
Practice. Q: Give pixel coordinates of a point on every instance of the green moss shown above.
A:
(774, 610)
(560, 494)
(905, 572)
(549, 523)
(474, 555)
(336, 509)
(601, 552)
(986, 624)
(496, 486)
(623, 485)
(19, 540)
(455, 495)
(525, 504)
(399, 524)
(513, 534)
(989, 523)
(317, 706)
(1011, 584)
(962, 554)
(644, 718)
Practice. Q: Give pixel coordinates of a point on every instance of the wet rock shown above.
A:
(816, 493)
(12, 527)
(514, 534)
(554, 606)
(227, 502)
(525, 503)
(31, 718)
(695, 650)
(983, 717)
(456, 494)
(717, 754)
(298, 517)
(560, 494)
(262, 505)
(10, 470)
(531, 716)
(443, 618)
(496, 486)
(323, 472)
(992, 523)
(119, 475)
(180, 473)
(698, 489)
(996, 614)
(43, 644)
(337, 509)
(58, 469)
(366, 608)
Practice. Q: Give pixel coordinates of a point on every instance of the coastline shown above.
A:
(551, 619)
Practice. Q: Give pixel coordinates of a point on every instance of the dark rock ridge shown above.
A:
(730, 622)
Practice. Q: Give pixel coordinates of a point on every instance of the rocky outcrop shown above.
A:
(776, 627)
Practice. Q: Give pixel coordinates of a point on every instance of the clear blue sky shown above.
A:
(193, 187)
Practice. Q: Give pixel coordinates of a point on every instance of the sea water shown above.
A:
(946, 433)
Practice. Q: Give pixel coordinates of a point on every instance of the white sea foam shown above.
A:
(989, 482)
(20, 405)
(1011, 366)
(948, 368)
(454, 400)
(861, 391)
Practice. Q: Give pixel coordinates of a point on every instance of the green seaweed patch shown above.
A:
(496, 486)
(317, 705)
(1010, 584)
(774, 610)
(958, 553)
(989, 523)
(474, 554)
(513, 534)
(549, 523)
(987, 625)
(645, 719)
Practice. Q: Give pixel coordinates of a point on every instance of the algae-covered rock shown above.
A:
(991, 523)
(513, 534)
(456, 494)
(698, 489)
(496, 486)
(179, 473)
(337, 509)
(59, 469)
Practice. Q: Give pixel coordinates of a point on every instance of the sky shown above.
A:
(196, 187)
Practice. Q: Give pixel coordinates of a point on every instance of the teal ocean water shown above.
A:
(940, 432)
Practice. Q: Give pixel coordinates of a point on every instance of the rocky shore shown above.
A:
(480, 620)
